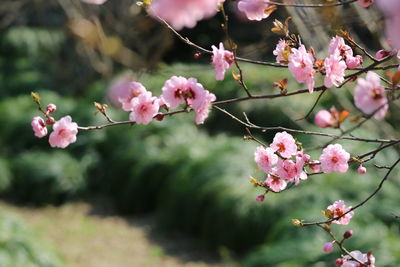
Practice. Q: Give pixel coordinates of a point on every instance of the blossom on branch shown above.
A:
(265, 158)
(203, 108)
(334, 158)
(285, 144)
(339, 208)
(338, 46)
(301, 65)
(131, 91)
(323, 119)
(144, 108)
(39, 127)
(254, 9)
(369, 96)
(334, 69)
(275, 183)
(64, 133)
(183, 13)
(222, 60)
(282, 51)
(366, 258)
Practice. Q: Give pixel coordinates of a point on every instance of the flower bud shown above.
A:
(328, 247)
(348, 234)
(323, 119)
(51, 108)
(159, 117)
(50, 121)
(197, 55)
(339, 262)
(361, 169)
(381, 54)
(260, 198)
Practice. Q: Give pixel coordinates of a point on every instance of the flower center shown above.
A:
(338, 212)
(281, 147)
(335, 159)
(376, 93)
(178, 93)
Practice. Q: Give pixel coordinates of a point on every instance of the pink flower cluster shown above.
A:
(254, 9)
(369, 96)
(222, 60)
(64, 130)
(338, 208)
(178, 90)
(282, 161)
(337, 46)
(282, 51)
(183, 13)
(348, 261)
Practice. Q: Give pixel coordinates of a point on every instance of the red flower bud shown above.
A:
(348, 234)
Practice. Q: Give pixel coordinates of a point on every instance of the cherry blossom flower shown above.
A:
(286, 169)
(338, 46)
(285, 144)
(391, 9)
(369, 96)
(334, 68)
(183, 13)
(39, 127)
(365, 3)
(301, 65)
(222, 60)
(265, 158)
(275, 183)
(203, 109)
(282, 51)
(64, 133)
(353, 62)
(144, 108)
(323, 119)
(366, 258)
(328, 247)
(132, 90)
(338, 208)
(95, 2)
(173, 91)
(334, 158)
(254, 9)
(195, 94)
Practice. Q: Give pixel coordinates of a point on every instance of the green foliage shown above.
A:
(46, 177)
(20, 247)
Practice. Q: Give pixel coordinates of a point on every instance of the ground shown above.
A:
(91, 235)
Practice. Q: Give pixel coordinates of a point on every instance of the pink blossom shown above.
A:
(353, 62)
(348, 234)
(265, 158)
(275, 183)
(323, 119)
(391, 9)
(183, 13)
(286, 169)
(132, 90)
(334, 68)
(95, 2)
(334, 158)
(222, 60)
(339, 208)
(328, 247)
(369, 96)
(365, 3)
(315, 166)
(254, 9)
(366, 258)
(362, 170)
(338, 46)
(301, 65)
(39, 127)
(195, 94)
(285, 144)
(64, 133)
(144, 108)
(281, 51)
(173, 91)
(203, 109)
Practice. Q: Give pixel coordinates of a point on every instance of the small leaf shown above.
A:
(236, 76)
(343, 115)
(270, 9)
(36, 97)
(297, 222)
(396, 79)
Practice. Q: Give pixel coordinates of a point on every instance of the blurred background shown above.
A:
(170, 193)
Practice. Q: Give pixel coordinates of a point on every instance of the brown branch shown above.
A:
(311, 5)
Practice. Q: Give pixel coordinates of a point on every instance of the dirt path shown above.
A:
(86, 237)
